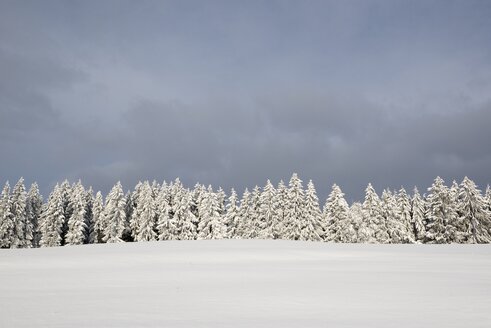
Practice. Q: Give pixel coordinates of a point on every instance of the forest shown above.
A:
(74, 215)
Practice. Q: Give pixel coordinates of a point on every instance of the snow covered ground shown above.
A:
(246, 283)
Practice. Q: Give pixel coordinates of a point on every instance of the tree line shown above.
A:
(74, 215)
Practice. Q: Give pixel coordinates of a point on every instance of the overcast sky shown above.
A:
(234, 92)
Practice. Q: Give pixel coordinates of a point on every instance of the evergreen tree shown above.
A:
(295, 209)
(266, 211)
(393, 222)
(6, 218)
(115, 215)
(77, 228)
(66, 191)
(146, 214)
(474, 215)
(23, 229)
(221, 196)
(89, 216)
(244, 211)
(437, 212)
(252, 220)
(312, 228)
(367, 232)
(34, 210)
(211, 225)
(280, 201)
(52, 219)
(403, 203)
(417, 216)
(336, 212)
(232, 216)
(165, 224)
(98, 218)
(183, 218)
(131, 209)
(454, 226)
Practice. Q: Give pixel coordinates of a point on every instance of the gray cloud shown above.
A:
(232, 93)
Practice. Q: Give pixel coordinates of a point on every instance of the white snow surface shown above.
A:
(246, 283)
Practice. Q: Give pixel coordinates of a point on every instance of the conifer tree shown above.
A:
(312, 228)
(454, 226)
(252, 220)
(23, 229)
(295, 209)
(115, 215)
(6, 218)
(417, 216)
(244, 211)
(367, 232)
(34, 210)
(89, 216)
(211, 225)
(340, 228)
(164, 214)
(131, 209)
(146, 214)
(98, 218)
(66, 191)
(232, 216)
(266, 211)
(403, 203)
(183, 218)
(437, 212)
(52, 219)
(280, 201)
(77, 227)
(221, 196)
(474, 215)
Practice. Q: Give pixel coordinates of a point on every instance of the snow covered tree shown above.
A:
(395, 211)
(77, 228)
(295, 214)
(312, 228)
(98, 218)
(183, 219)
(23, 229)
(34, 209)
(417, 216)
(6, 218)
(221, 196)
(356, 215)
(66, 191)
(266, 211)
(52, 219)
(211, 225)
(340, 228)
(145, 214)
(131, 208)
(454, 226)
(252, 220)
(437, 212)
(368, 231)
(165, 225)
(115, 215)
(232, 216)
(474, 215)
(244, 211)
(89, 216)
(280, 201)
(404, 214)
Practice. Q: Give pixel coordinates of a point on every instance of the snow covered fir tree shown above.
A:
(73, 215)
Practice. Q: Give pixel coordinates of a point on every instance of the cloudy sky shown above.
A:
(234, 92)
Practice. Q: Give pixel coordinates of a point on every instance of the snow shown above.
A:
(246, 283)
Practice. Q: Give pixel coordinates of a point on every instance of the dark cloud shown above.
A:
(232, 93)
